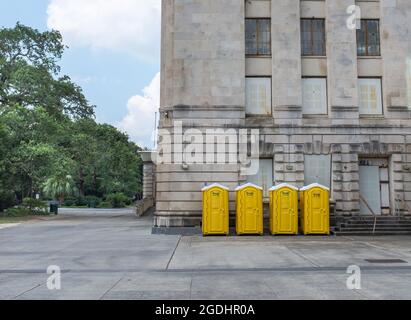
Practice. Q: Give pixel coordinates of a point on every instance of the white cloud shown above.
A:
(139, 122)
(131, 26)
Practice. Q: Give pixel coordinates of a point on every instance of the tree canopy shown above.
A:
(48, 136)
(30, 74)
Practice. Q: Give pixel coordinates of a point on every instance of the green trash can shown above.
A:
(54, 208)
(92, 204)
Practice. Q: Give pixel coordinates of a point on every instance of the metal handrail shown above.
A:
(372, 211)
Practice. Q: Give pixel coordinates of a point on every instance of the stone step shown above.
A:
(380, 219)
(384, 225)
(395, 229)
(369, 233)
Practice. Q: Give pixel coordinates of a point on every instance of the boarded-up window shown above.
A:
(317, 169)
(258, 96)
(258, 36)
(313, 37)
(264, 178)
(370, 96)
(315, 96)
(368, 38)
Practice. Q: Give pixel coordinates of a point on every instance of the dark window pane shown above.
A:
(258, 36)
(373, 32)
(306, 39)
(264, 36)
(368, 38)
(313, 37)
(251, 36)
(361, 40)
(318, 38)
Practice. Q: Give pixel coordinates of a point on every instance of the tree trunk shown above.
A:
(81, 183)
(95, 182)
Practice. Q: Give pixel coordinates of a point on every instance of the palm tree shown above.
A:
(59, 187)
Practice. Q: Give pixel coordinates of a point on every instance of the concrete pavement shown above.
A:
(110, 254)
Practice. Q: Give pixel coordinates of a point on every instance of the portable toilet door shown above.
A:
(284, 210)
(249, 210)
(315, 206)
(216, 213)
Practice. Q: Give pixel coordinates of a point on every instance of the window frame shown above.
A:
(326, 96)
(312, 37)
(366, 44)
(381, 94)
(253, 115)
(250, 55)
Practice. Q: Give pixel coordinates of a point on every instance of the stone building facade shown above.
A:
(333, 112)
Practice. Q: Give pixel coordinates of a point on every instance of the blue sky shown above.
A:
(113, 53)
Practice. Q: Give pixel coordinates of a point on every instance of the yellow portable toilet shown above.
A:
(284, 209)
(216, 214)
(315, 209)
(250, 214)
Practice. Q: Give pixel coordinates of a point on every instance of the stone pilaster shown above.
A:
(149, 172)
(286, 47)
(342, 64)
(396, 48)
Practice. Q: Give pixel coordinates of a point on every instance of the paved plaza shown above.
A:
(111, 254)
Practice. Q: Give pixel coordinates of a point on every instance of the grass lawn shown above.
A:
(6, 220)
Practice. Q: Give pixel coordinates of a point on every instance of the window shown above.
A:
(258, 36)
(264, 178)
(317, 169)
(313, 37)
(315, 96)
(258, 96)
(368, 38)
(370, 96)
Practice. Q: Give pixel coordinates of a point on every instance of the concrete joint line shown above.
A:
(172, 255)
(112, 287)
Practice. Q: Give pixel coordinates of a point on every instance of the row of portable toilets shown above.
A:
(285, 201)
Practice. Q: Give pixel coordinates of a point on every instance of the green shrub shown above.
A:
(81, 202)
(7, 200)
(69, 202)
(105, 205)
(17, 212)
(92, 201)
(35, 206)
(118, 200)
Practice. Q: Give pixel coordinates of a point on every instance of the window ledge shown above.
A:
(258, 56)
(370, 57)
(315, 116)
(371, 116)
(314, 57)
(259, 116)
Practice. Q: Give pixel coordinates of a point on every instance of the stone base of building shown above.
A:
(177, 231)
(345, 154)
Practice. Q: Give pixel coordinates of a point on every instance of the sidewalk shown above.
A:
(113, 255)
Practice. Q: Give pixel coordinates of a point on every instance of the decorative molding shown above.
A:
(345, 109)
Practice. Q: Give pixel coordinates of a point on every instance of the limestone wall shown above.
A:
(203, 87)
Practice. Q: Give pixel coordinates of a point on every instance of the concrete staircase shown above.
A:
(364, 225)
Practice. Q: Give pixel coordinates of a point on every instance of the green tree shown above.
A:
(106, 161)
(59, 187)
(31, 149)
(49, 140)
(29, 73)
(61, 183)
(6, 195)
